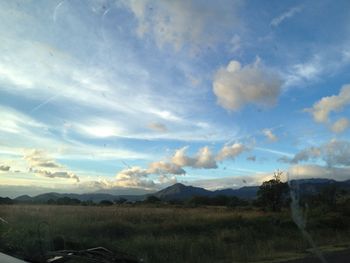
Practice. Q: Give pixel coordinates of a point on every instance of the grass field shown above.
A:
(167, 233)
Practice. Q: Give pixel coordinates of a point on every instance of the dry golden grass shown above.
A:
(161, 234)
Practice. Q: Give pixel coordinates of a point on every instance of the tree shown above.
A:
(272, 193)
(106, 203)
(120, 201)
(152, 199)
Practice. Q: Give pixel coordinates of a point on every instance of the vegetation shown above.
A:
(200, 229)
(165, 233)
(272, 194)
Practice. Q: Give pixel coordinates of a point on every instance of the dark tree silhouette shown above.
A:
(152, 199)
(106, 203)
(271, 193)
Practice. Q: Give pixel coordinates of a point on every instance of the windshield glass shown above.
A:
(174, 131)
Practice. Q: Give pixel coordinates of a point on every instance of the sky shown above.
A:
(133, 96)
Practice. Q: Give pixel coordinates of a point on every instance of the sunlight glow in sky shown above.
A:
(106, 95)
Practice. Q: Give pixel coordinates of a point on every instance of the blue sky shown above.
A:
(130, 95)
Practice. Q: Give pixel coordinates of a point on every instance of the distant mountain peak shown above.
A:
(180, 191)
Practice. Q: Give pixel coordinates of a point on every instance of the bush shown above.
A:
(106, 203)
(152, 199)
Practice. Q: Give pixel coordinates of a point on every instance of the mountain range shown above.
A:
(180, 191)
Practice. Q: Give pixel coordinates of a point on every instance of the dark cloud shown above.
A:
(4, 168)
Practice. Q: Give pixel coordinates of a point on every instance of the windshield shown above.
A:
(174, 131)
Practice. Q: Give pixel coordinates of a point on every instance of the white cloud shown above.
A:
(317, 171)
(37, 158)
(203, 159)
(57, 174)
(48, 75)
(322, 108)
(336, 152)
(13, 121)
(99, 128)
(235, 44)
(41, 164)
(164, 168)
(180, 158)
(235, 86)
(231, 151)
(276, 152)
(305, 155)
(134, 177)
(288, 14)
(180, 23)
(233, 181)
(269, 134)
(333, 153)
(324, 61)
(138, 177)
(340, 125)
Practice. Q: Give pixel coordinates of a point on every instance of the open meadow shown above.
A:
(167, 233)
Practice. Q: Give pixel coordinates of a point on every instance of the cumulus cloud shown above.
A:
(340, 125)
(180, 158)
(269, 134)
(37, 158)
(322, 108)
(333, 153)
(288, 14)
(317, 171)
(166, 179)
(180, 23)
(168, 170)
(165, 168)
(305, 155)
(134, 177)
(4, 168)
(41, 164)
(203, 159)
(236, 86)
(158, 127)
(230, 151)
(336, 152)
(57, 174)
(137, 177)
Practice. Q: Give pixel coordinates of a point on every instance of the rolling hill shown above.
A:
(180, 191)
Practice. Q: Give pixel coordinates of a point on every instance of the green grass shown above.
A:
(166, 234)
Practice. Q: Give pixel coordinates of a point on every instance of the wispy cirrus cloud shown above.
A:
(286, 15)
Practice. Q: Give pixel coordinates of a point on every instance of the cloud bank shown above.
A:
(333, 153)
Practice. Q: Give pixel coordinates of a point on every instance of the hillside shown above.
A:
(180, 191)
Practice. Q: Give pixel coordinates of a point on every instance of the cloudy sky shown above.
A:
(132, 96)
